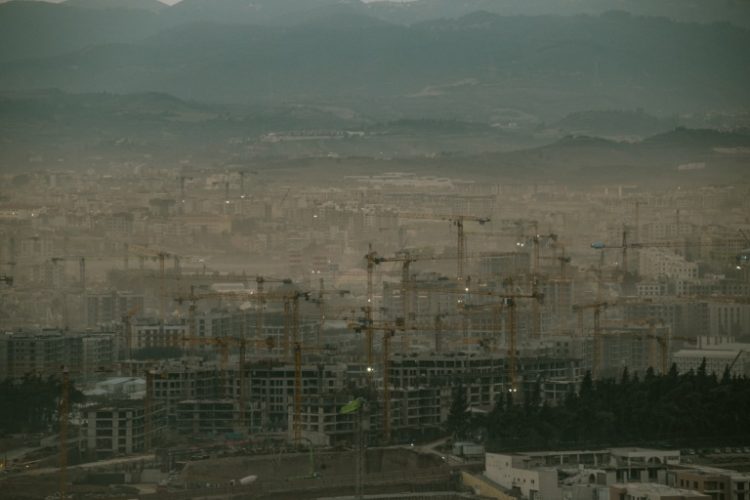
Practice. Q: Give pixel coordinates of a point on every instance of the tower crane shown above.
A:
(260, 288)
(291, 327)
(597, 351)
(458, 221)
(536, 241)
(389, 330)
(371, 257)
(506, 300)
(298, 389)
(82, 284)
(321, 303)
(655, 340)
(536, 321)
(625, 245)
(127, 319)
(64, 420)
(289, 298)
(261, 297)
(563, 259)
(358, 408)
(224, 344)
(662, 341)
(161, 256)
(406, 259)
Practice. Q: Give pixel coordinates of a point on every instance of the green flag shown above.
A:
(351, 406)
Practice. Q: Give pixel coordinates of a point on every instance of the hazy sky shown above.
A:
(172, 2)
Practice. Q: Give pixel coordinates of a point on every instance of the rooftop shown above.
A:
(644, 489)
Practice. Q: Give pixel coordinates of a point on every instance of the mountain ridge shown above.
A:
(612, 62)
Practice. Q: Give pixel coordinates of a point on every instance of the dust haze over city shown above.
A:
(343, 249)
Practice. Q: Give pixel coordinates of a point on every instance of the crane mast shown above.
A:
(387, 335)
(371, 258)
(297, 422)
(64, 410)
(512, 349)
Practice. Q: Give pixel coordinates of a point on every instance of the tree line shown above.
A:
(32, 403)
(691, 409)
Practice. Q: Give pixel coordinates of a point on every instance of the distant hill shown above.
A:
(41, 29)
(93, 129)
(412, 12)
(51, 123)
(474, 68)
(655, 159)
(699, 139)
(699, 11)
(149, 5)
(258, 12)
(275, 12)
(614, 123)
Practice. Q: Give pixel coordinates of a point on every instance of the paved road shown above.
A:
(92, 465)
(18, 453)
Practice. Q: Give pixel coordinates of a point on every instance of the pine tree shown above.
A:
(458, 417)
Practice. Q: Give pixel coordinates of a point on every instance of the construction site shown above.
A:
(226, 340)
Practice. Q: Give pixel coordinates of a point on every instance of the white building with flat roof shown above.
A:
(539, 483)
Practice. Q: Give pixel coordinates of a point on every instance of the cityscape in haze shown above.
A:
(349, 249)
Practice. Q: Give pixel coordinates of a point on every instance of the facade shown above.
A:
(272, 385)
(176, 382)
(122, 428)
(728, 319)
(148, 333)
(685, 318)
(533, 484)
(46, 353)
(578, 474)
(636, 348)
(506, 264)
(663, 263)
(97, 353)
(207, 416)
(652, 288)
(718, 484)
(321, 421)
(484, 376)
(559, 294)
(110, 306)
(216, 323)
(36, 353)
